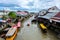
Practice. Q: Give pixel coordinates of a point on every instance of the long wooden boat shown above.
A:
(43, 27)
(12, 37)
(11, 34)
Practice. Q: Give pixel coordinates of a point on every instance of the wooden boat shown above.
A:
(11, 31)
(2, 34)
(11, 34)
(43, 27)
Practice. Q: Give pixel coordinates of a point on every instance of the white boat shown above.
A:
(11, 32)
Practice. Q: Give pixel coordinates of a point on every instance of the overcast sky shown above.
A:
(31, 5)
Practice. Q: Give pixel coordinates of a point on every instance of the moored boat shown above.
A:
(11, 34)
(43, 27)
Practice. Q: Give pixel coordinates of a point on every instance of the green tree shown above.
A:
(12, 14)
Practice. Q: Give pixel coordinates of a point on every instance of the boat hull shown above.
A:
(43, 27)
(12, 37)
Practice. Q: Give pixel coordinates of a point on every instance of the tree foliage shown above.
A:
(12, 14)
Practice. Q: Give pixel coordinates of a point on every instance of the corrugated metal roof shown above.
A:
(48, 15)
(56, 17)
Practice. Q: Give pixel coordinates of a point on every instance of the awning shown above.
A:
(56, 17)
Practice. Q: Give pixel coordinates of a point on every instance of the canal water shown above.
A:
(33, 32)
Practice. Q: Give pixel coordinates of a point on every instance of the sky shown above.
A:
(28, 5)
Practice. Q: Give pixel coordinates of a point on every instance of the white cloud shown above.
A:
(23, 3)
(4, 8)
(37, 4)
(57, 2)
